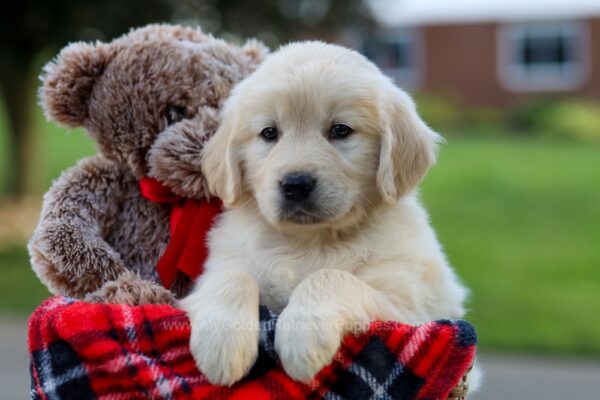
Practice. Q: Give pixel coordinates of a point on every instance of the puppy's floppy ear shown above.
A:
(408, 147)
(68, 82)
(220, 161)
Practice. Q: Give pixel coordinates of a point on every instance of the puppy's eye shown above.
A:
(340, 131)
(174, 114)
(269, 134)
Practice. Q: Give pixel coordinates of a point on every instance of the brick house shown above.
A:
(489, 52)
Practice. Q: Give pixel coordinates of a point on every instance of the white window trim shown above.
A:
(409, 78)
(512, 76)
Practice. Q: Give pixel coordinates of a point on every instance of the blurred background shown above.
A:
(514, 86)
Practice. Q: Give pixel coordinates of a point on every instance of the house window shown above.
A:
(397, 54)
(542, 56)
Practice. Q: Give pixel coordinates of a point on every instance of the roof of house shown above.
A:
(432, 12)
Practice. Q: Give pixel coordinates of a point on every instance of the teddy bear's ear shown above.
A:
(67, 82)
(256, 50)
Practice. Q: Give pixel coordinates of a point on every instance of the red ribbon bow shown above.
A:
(190, 222)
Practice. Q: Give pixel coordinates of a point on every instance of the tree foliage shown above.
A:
(36, 29)
(33, 27)
(275, 21)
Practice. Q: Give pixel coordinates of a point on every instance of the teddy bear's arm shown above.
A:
(131, 289)
(67, 249)
(175, 158)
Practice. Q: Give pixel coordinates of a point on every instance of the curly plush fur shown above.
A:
(150, 99)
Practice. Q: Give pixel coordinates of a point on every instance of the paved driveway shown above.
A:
(516, 378)
(14, 364)
(506, 378)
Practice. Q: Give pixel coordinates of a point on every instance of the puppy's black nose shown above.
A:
(297, 186)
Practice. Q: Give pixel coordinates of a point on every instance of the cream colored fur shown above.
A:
(369, 255)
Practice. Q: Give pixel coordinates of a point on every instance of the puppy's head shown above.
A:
(317, 136)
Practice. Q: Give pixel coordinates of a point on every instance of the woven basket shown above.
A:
(460, 391)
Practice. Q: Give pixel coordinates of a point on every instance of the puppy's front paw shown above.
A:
(224, 349)
(306, 343)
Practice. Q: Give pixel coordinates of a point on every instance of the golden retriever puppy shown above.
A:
(317, 160)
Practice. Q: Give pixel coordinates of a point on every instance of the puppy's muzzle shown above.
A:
(297, 187)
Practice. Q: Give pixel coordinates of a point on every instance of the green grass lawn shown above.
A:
(518, 218)
(53, 149)
(20, 290)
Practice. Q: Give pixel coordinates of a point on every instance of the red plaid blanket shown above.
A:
(85, 351)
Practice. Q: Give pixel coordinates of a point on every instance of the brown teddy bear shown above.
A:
(149, 99)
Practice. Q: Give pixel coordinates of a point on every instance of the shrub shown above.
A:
(451, 117)
(577, 120)
(525, 116)
(439, 113)
(567, 119)
(571, 119)
(484, 121)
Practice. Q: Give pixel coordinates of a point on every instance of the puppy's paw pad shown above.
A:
(305, 346)
(223, 352)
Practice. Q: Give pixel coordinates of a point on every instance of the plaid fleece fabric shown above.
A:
(86, 351)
